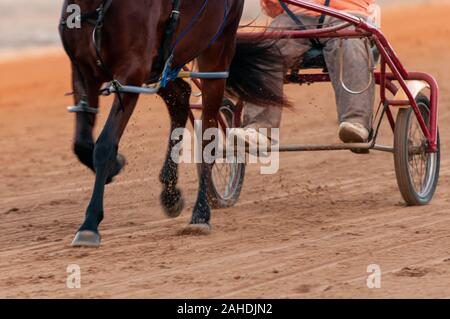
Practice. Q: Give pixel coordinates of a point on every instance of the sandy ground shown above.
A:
(309, 231)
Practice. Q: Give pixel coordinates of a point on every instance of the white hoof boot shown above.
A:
(86, 238)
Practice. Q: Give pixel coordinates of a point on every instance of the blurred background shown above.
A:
(29, 24)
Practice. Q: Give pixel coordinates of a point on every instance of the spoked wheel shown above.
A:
(227, 179)
(417, 170)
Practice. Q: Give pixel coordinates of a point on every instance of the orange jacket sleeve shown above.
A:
(271, 7)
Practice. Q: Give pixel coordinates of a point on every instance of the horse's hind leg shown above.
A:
(83, 145)
(216, 58)
(213, 91)
(212, 97)
(176, 95)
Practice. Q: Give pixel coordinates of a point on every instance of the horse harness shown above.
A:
(95, 18)
(162, 64)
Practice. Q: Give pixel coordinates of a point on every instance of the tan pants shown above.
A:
(354, 108)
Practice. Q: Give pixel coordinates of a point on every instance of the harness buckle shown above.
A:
(82, 107)
(175, 13)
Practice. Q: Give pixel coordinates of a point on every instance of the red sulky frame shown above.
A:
(383, 78)
(402, 84)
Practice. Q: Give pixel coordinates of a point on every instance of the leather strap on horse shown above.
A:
(97, 36)
(95, 18)
(164, 61)
(83, 105)
(165, 49)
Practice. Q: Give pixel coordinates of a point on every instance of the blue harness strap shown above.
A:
(191, 24)
(222, 26)
(169, 73)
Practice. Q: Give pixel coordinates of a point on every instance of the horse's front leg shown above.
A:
(104, 161)
(83, 145)
(176, 95)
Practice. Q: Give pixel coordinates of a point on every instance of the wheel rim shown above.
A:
(224, 174)
(421, 164)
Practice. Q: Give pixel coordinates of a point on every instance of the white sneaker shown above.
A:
(253, 140)
(353, 133)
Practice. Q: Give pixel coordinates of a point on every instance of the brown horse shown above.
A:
(133, 38)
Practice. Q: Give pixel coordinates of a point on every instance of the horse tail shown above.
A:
(256, 73)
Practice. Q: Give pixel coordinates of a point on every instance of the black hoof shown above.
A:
(172, 203)
(196, 230)
(86, 238)
(119, 165)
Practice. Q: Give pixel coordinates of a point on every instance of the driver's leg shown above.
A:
(265, 117)
(354, 110)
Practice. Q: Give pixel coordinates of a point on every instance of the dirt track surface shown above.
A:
(309, 231)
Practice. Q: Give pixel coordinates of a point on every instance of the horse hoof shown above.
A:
(175, 210)
(120, 164)
(172, 203)
(86, 238)
(196, 230)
